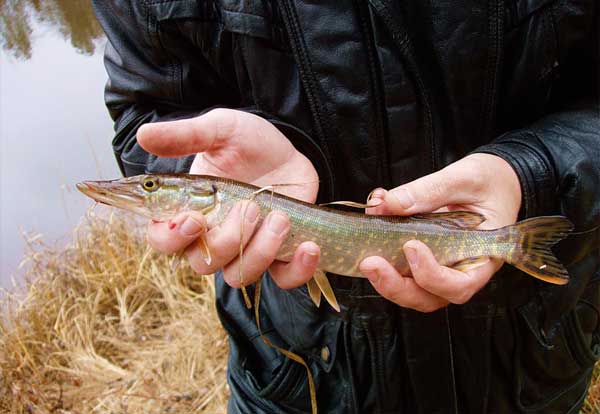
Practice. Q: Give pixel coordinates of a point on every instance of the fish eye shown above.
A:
(150, 184)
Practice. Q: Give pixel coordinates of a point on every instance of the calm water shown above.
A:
(54, 128)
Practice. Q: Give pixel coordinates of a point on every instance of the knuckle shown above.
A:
(196, 263)
(162, 244)
(226, 122)
(461, 298)
(427, 307)
(264, 255)
(280, 281)
(231, 276)
(227, 242)
(196, 266)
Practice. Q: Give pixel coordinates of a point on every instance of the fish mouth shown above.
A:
(113, 193)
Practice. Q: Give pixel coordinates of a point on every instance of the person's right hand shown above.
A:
(247, 148)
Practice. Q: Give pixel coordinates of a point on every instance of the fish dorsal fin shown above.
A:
(354, 204)
(324, 286)
(464, 219)
(314, 292)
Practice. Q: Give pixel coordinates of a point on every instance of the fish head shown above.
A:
(156, 196)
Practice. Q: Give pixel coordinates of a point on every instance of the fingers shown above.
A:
(432, 286)
(178, 233)
(450, 284)
(299, 270)
(189, 136)
(404, 291)
(459, 183)
(260, 252)
(223, 241)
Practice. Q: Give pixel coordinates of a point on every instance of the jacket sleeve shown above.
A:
(557, 158)
(143, 85)
(148, 83)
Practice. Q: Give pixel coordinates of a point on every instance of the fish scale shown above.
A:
(346, 238)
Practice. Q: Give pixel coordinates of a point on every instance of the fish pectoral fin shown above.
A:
(470, 263)
(324, 286)
(204, 250)
(464, 219)
(314, 292)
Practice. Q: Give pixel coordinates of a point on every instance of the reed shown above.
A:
(106, 325)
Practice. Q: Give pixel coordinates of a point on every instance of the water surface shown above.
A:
(54, 128)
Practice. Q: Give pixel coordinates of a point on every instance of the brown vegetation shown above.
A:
(107, 326)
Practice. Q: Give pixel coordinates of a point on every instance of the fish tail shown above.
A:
(532, 251)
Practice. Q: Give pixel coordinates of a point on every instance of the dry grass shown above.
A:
(592, 403)
(106, 326)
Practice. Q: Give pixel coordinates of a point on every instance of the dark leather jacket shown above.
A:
(378, 93)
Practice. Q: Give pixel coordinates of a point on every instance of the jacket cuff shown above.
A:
(536, 176)
(308, 147)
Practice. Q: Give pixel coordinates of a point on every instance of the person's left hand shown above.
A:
(482, 183)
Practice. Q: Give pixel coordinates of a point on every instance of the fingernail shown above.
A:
(309, 258)
(371, 274)
(172, 225)
(377, 197)
(278, 223)
(251, 213)
(404, 198)
(190, 226)
(412, 256)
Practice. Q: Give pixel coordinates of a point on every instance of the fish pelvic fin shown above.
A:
(325, 287)
(314, 292)
(532, 253)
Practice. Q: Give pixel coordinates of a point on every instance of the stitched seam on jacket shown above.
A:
(495, 31)
(153, 33)
(409, 60)
(307, 77)
(376, 90)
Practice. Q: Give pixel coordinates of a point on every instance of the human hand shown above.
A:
(482, 183)
(248, 148)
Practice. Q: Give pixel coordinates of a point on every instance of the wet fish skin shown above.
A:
(346, 238)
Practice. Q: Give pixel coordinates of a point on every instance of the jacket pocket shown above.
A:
(269, 385)
(262, 380)
(254, 19)
(553, 376)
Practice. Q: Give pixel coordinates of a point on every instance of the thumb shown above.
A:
(451, 185)
(189, 136)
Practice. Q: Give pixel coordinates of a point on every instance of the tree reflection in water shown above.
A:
(74, 20)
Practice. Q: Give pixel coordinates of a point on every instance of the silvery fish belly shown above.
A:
(346, 238)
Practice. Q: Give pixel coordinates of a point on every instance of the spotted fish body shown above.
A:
(346, 238)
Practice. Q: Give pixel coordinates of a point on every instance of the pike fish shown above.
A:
(346, 238)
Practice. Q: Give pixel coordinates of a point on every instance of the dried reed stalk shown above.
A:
(106, 326)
